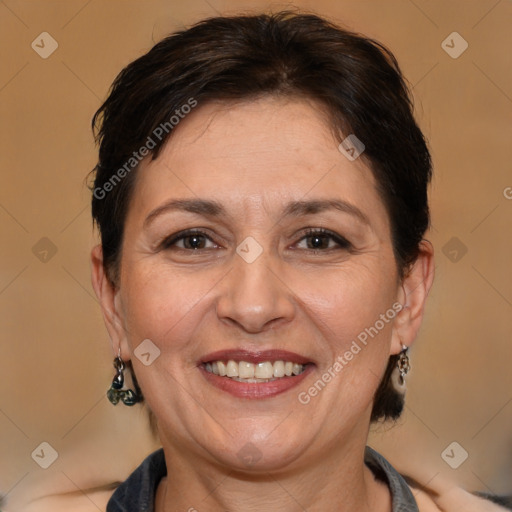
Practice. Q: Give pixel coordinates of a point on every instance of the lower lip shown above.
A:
(256, 389)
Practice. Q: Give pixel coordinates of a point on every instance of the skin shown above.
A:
(253, 158)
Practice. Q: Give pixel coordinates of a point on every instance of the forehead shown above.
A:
(250, 154)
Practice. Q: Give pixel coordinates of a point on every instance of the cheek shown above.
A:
(163, 304)
(349, 299)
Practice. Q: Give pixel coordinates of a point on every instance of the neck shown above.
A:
(338, 482)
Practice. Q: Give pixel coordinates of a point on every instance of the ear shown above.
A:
(109, 298)
(413, 294)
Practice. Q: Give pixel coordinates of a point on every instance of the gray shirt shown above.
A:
(137, 493)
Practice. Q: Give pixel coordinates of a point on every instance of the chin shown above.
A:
(261, 454)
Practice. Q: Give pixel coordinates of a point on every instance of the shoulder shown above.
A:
(444, 496)
(441, 495)
(92, 501)
(131, 494)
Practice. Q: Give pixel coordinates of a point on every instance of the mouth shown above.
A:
(244, 371)
(255, 375)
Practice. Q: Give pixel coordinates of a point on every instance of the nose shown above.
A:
(254, 296)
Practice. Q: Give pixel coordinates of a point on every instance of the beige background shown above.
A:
(55, 362)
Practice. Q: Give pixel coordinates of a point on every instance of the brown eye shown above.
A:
(321, 239)
(188, 240)
(194, 242)
(318, 241)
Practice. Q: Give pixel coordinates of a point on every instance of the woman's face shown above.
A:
(253, 280)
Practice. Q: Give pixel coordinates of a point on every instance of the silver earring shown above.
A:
(116, 391)
(402, 368)
(403, 365)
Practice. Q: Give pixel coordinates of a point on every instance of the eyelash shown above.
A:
(171, 240)
(342, 242)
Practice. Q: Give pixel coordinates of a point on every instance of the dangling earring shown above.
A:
(403, 364)
(402, 369)
(116, 391)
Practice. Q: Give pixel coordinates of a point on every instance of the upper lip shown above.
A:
(252, 356)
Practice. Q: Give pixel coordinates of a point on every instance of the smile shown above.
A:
(246, 374)
(244, 371)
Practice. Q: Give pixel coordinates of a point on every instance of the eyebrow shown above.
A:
(298, 208)
(200, 206)
(209, 208)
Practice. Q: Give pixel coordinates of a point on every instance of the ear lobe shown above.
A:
(414, 292)
(108, 297)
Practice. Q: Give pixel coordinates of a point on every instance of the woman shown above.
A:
(261, 195)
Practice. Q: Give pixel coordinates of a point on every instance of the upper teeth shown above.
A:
(246, 370)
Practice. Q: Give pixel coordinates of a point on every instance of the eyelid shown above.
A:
(340, 240)
(171, 240)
